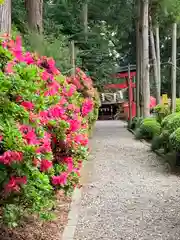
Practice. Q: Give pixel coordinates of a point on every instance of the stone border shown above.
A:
(73, 215)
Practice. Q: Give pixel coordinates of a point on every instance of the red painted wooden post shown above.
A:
(130, 95)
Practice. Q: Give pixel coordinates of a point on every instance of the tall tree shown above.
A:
(85, 20)
(5, 16)
(138, 60)
(172, 10)
(174, 63)
(154, 61)
(158, 56)
(145, 58)
(35, 15)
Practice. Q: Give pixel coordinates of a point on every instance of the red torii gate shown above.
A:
(130, 111)
(126, 84)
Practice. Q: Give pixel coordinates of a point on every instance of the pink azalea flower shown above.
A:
(11, 156)
(21, 180)
(60, 180)
(17, 51)
(70, 167)
(62, 101)
(74, 125)
(9, 68)
(14, 184)
(27, 105)
(64, 117)
(18, 99)
(31, 138)
(70, 91)
(68, 159)
(87, 107)
(45, 165)
(45, 75)
(28, 58)
(51, 62)
(56, 112)
(80, 139)
(45, 144)
(78, 70)
(53, 89)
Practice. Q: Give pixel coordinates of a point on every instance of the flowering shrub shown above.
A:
(84, 85)
(44, 123)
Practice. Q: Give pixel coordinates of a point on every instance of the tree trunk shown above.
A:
(85, 13)
(174, 53)
(130, 94)
(73, 61)
(141, 59)
(5, 17)
(35, 15)
(145, 65)
(138, 61)
(158, 57)
(154, 61)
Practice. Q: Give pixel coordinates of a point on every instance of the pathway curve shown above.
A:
(128, 194)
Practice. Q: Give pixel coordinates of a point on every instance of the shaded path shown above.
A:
(128, 196)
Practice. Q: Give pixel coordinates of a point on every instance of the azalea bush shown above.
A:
(84, 85)
(44, 123)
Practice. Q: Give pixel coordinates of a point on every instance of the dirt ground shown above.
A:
(33, 229)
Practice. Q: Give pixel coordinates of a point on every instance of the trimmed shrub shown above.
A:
(138, 134)
(161, 141)
(171, 122)
(157, 143)
(148, 129)
(148, 119)
(166, 120)
(136, 123)
(161, 112)
(177, 104)
(174, 140)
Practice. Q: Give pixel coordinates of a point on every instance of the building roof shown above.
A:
(125, 69)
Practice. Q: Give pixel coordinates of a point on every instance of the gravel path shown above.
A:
(129, 195)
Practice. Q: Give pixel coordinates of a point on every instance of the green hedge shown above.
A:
(136, 123)
(148, 129)
(168, 138)
(161, 112)
(174, 140)
(171, 122)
